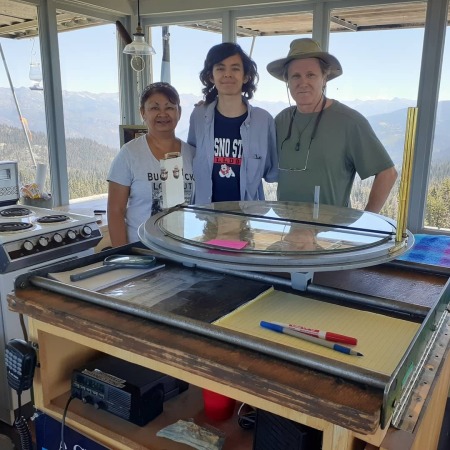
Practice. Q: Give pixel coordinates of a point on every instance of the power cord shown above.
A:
(23, 327)
(62, 444)
(21, 425)
(246, 416)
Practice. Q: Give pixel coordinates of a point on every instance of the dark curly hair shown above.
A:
(217, 54)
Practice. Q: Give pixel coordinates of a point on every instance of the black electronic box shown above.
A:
(277, 433)
(124, 389)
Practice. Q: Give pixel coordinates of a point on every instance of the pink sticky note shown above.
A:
(237, 245)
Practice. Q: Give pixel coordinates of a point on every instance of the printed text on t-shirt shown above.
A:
(223, 147)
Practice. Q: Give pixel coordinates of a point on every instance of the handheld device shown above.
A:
(20, 359)
(116, 262)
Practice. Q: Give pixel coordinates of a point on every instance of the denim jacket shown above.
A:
(259, 157)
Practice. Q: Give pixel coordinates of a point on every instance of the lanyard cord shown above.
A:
(319, 117)
(316, 124)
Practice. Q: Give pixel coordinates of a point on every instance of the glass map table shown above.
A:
(273, 236)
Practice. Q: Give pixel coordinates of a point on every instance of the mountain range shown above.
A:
(97, 117)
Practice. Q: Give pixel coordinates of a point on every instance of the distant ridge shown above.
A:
(97, 117)
(87, 115)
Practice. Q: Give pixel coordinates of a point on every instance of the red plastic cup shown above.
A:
(218, 406)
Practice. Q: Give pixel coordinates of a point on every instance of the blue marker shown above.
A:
(306, 337)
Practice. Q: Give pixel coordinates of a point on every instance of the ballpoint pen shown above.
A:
(309, 338)
(327, 335)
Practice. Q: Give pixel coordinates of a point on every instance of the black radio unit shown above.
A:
(124, 389)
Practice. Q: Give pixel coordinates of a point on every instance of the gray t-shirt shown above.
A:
(136, 167)
(344, 145)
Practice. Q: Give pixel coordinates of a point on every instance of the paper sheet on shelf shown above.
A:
(382, 340)
(101, 281)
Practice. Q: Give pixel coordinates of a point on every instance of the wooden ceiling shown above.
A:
(377, 17)
(18, 20)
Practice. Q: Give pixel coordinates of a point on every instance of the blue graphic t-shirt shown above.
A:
(226, 172)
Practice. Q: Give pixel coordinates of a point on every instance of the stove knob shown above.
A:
(86, 231)
(57, 238)
(28, 246)
(71, 235)
(43, 241)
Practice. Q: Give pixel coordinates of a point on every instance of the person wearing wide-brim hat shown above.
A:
(322, 142)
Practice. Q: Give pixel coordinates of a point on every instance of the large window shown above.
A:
(380, 79)
(188, 49)
(271, 94)
(89, 76)
(437, 212)
(22, 112)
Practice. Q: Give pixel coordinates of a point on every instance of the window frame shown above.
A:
(431, 64)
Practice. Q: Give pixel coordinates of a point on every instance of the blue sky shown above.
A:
(377, 65)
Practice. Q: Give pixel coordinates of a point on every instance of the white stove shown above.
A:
(31, 238)
(30, 235)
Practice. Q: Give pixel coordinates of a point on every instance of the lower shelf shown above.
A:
(116, 433)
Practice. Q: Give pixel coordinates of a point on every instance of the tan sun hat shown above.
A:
(302, 49)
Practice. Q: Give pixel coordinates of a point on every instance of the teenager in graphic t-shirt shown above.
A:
(235, 143)
(226, 172)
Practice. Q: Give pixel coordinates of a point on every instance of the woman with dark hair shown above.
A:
(134, 188)
(235, 142)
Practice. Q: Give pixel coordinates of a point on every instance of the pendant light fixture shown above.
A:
(139, 47)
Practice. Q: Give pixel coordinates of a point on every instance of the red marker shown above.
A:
(326, 335)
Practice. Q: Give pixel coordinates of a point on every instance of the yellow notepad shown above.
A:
(382, 340)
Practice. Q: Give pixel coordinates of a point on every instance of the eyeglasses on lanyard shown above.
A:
(297, 146)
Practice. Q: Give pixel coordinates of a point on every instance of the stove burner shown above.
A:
(15, 212)
(10, 227)
(54, 218)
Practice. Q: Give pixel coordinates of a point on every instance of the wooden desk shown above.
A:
(69, 332)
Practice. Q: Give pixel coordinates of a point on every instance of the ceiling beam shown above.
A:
(344, 23)
(110, 7)
(65, 22)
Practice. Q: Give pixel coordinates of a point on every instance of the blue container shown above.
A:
(48, 436)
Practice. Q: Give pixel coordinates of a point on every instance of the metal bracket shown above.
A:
(300, 280)
(35, 345)
(407, 411)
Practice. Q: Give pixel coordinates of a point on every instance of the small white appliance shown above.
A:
(9, 182)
